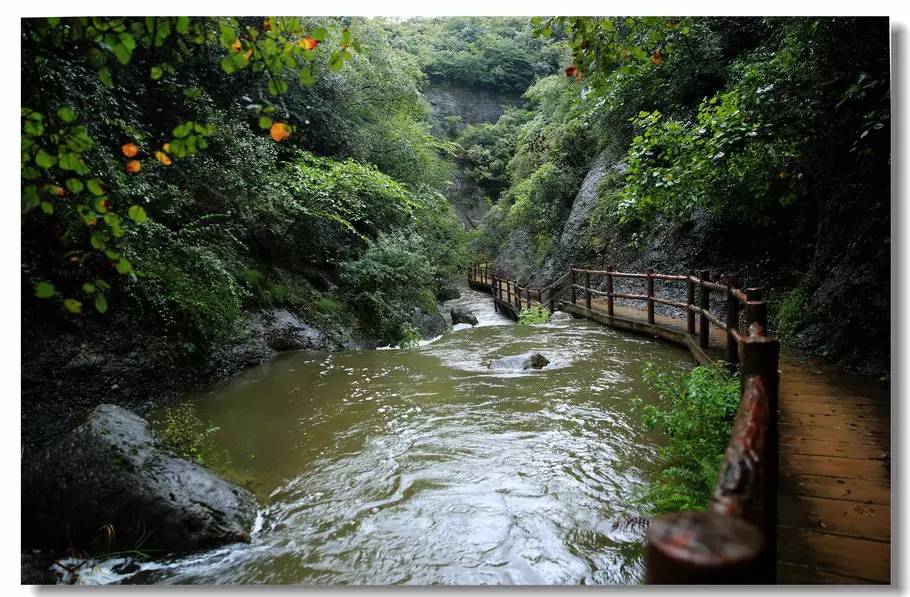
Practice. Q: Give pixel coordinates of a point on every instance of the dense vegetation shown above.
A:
(179, 187)
(770, 133)
(695, 415)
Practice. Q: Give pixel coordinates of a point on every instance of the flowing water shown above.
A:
(423, 466)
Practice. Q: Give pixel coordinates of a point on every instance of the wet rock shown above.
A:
(448, 293)
(560, 316)
(431, 324)
(521, 362)
(109, 485)
(462, 315)
(282, 330)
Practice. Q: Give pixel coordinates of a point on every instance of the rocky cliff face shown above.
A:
(469, 104)
(573, 240)
(451, 109)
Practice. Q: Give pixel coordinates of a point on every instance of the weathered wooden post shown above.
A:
(756, 312)
(572, 284)
(610, 271)
(528, 297)
(705, 304)
(587, 289)
(690, 302)
(759, 362)
(732, 320)
(552, 300)
(703, 548)
(649, 285)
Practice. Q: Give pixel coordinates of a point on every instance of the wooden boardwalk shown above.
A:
(834, 509)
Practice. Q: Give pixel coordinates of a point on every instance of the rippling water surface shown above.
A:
(423, 466)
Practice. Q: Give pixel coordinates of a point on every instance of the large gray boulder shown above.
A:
(462, 315)
(521, 362)
(109, 485)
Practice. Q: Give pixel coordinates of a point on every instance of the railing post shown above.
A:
(690, 301)
(732, 321)
(572, 284)
(588, 290)
(649, 281)
(756, 312)
(610, 269)
(687, 547)
(552, 301)
(705, 304)
(528, 297)
(760, 357)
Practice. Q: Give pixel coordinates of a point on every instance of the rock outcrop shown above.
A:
(110, 485)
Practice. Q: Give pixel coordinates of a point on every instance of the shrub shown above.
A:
(695, 413)
(185, 434)
(535, 314)
(790, 311)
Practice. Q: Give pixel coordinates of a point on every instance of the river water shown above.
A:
(423, 466)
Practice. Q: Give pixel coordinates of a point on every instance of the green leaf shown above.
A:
(105, 75)
(156, 73)
(47, 207)
(100, 303)
(319, 34)
(72, 305)
(66, 114)
(94, 187)
(44, 290)
(265, 122)
(307, 78)
(227, 64)
(124, 266)
(122, 53)
(74, 185)
(102, 284)
(44, 159)
(183, 23)
(88, 288)
(137, 214)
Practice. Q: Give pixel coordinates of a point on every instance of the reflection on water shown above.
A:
(423, 466)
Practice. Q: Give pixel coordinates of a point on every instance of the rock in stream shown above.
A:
(521, 362)
(109, 485)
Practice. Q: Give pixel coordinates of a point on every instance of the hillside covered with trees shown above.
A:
(198, 194)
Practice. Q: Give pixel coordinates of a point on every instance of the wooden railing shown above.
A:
(735, 540)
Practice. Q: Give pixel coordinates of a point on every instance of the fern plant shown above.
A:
(695, 413)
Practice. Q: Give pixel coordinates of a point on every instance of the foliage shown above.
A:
(54, 145)
(185, 434)
(534, 314)
(387, 281)
(789, 313)
(486, 150)
(696, 415)
(496, 53)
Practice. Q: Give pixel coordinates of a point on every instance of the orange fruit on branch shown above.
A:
(133, 166)
(129, 150)
(280, 131)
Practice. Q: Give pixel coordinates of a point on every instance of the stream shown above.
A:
(422, 466)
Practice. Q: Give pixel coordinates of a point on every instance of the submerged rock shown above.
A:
(110, 485)
(462, 315)
(521, 362)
